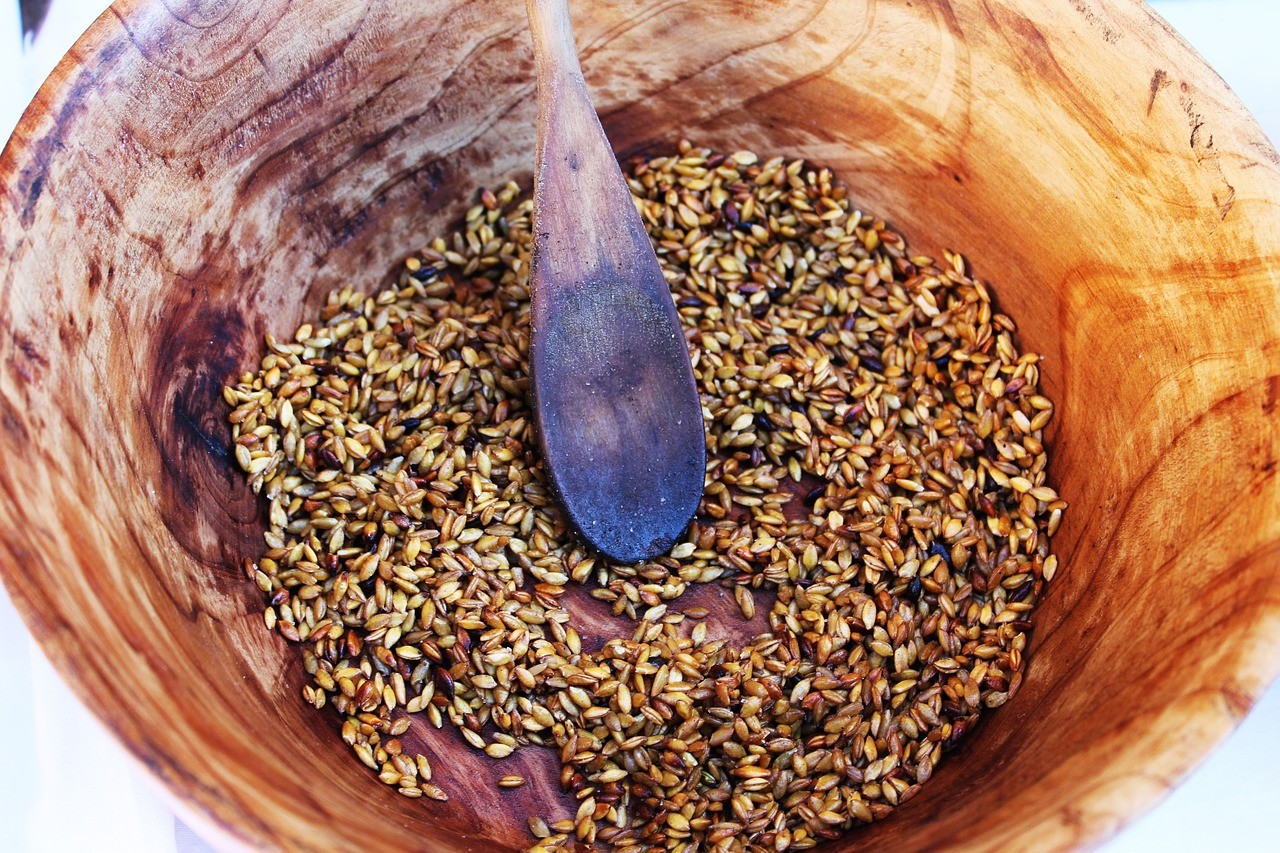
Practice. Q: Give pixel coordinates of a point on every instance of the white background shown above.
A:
(70, 787)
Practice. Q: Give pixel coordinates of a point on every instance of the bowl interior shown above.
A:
(196, 174)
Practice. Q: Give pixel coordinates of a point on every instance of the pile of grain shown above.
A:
(414, 550)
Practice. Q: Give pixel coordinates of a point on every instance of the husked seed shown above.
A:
(877, 494)
(435, 792)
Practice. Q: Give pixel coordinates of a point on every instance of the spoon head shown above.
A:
(618, 412)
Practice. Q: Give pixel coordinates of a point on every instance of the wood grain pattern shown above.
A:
(197, 172)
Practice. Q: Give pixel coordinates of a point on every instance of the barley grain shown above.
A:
(876, 489)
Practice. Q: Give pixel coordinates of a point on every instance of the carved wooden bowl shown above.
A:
(196, 173)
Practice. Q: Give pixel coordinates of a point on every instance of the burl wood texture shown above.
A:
(198, 173)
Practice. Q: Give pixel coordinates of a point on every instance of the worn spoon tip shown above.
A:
(620, 420)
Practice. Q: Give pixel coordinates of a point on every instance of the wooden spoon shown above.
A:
(613, 389)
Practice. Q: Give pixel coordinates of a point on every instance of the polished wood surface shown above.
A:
(198, 173)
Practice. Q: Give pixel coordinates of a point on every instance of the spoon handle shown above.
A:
(588, 226)
(555, 52)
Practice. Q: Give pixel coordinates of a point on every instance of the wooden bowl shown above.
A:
(196, 173)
